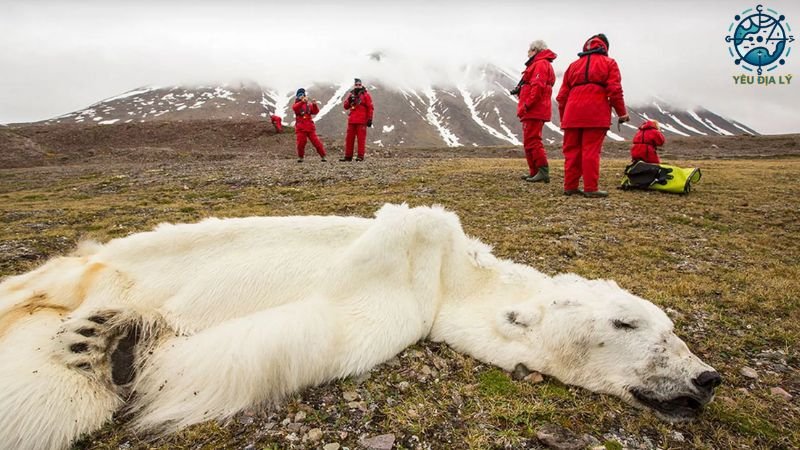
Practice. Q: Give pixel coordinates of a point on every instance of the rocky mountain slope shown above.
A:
(477, 111)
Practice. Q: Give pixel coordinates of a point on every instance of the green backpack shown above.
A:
(659, 177)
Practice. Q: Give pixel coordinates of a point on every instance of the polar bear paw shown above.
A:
(102, 345)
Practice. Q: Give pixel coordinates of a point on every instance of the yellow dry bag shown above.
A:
(660, 177)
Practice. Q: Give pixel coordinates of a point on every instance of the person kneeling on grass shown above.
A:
(276, 122)
(646, 143)
(304, 127)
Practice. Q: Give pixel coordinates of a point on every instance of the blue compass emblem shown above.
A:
(760, 39)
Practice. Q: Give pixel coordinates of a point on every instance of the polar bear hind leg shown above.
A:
(58, 388)
(109, 345)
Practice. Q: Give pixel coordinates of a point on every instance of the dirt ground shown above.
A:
(722, 261)
(37, 145)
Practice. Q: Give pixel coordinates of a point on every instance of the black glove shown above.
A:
(369, 123)
(352, 100)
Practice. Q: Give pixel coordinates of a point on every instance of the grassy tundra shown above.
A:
(724, 262)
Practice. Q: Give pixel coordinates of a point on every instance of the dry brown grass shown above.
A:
(723, 260)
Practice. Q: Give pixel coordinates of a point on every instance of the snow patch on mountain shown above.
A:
(504, 127)
(449, 138)
(553, 127)
(664, 125)
(614, 136)
(275, 103)
(709, 124)
(741, 128)
(474, 113)
(690, 128)
(142, 90)
(668, 127)
(223, 93)
(335, 100)
(719, 130)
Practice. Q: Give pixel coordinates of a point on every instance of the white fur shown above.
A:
(240, 312)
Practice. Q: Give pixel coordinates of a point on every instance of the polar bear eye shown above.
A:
(621, 325)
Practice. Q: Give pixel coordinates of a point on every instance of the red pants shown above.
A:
(532, 142)
(355, 130)
(302, 136)
(582, 148)
(278, 126)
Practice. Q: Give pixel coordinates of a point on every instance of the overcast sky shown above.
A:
(61, 55)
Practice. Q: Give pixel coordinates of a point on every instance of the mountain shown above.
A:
(20, 148)
(475, 111)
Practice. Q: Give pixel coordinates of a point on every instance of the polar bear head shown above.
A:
(594, 334)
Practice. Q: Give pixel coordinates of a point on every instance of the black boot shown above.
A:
(345, 158)
(542, 176)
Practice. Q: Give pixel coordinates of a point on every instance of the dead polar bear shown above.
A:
(204, 320)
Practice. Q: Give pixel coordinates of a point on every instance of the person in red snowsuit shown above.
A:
(358, 104)
(646, 142)
(592, 86)
(535, 108)
(276, 122)
(304, 126)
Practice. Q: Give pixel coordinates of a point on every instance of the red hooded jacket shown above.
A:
(359, 106)
(535, 96)
(645, 142)
(592, 85)
(303, 112)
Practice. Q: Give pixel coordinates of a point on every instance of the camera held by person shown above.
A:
(515, 91)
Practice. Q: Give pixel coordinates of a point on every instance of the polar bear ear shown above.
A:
(515, 321)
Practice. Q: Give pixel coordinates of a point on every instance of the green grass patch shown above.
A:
(495, 382)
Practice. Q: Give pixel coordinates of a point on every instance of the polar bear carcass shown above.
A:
(201, 321)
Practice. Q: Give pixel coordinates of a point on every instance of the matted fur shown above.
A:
(204, 320)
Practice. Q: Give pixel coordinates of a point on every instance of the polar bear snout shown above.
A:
(682, 404)
(707, 381)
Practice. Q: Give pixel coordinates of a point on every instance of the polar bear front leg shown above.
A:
(240, 363)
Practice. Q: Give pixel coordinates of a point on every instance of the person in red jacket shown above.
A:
(304, 126)
(276, 122)
(358, 104)
(592, 86)
(646, 142)
(535, 108)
